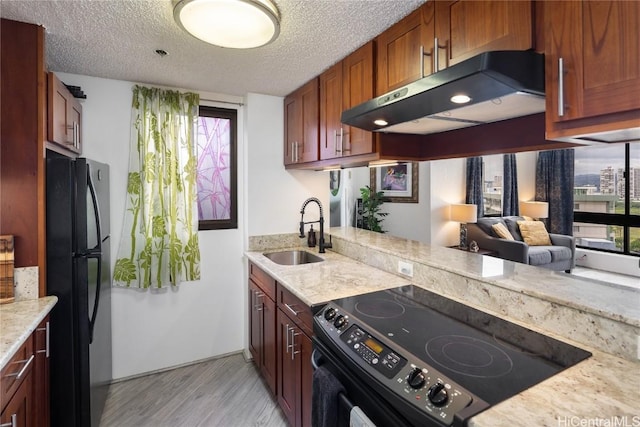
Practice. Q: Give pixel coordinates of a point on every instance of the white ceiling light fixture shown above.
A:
(237, 24)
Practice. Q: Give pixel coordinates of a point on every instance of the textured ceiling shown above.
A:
(117, 39)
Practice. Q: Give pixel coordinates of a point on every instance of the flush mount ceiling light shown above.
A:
(237, 24)
(460, 99)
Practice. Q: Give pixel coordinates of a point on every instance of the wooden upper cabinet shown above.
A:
(400, 49)
(301, 124)
(357, 87)
(467, 28)
(64, 116)
(330, 111)
(343, 86)
(442, 33)
(592, 66)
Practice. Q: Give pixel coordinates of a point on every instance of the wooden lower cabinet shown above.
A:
(295, 372)
(262, 327)
(41, 374)
(280, 331)
(19, 411)
(25, 383)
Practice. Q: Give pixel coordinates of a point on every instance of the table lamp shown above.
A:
(535, 210)
(464, 213)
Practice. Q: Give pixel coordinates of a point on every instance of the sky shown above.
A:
(592, 159)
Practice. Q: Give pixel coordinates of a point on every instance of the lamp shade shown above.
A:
(464, 213)
(535, 209)
(239, 24)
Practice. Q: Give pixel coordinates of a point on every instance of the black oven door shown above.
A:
(357, 392)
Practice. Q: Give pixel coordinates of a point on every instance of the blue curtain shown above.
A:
(554, 184)
(474, 184)
(510, 186)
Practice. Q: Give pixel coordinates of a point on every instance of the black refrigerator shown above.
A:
(78, 273)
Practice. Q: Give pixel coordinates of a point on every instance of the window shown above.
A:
(492, 171)
(216, 177)
(607, 198)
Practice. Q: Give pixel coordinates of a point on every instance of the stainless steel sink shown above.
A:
(293, 257)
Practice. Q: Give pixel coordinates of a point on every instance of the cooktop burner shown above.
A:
(488, 356)
(380, 309)
(469, 356)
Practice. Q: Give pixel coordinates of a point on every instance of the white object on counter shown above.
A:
(357, 418)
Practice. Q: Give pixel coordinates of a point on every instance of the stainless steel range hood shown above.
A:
(501, 85)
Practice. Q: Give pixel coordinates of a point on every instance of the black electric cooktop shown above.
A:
(492, 358)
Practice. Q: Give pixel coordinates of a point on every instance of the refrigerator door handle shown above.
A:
(92, 320)
(96, 210)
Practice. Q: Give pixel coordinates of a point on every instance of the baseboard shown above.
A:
(171, 368)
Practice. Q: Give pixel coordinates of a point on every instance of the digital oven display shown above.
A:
(373, 345)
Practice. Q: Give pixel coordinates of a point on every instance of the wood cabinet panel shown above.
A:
(592, 66)
(295, 371)
(468, 28)
(41, 374)
(22, 114)
(345, 85)
(399, 48)
(19, 411)
(262, 332)
(287, 375)
(302, 124)
(330, 111)
(357, 87)
(64, 116)
(298, 311)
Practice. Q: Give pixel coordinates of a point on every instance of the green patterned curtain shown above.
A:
(159, 243)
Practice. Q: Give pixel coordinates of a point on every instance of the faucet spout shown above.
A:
(321, 243)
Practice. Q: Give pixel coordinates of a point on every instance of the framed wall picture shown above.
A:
(398, 182)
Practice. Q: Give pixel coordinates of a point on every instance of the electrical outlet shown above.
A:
(405, 268)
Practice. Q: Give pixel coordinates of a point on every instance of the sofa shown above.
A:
(559, 255)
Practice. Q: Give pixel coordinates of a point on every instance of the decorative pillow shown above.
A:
(534, 233)
(512, 225)
(502, 232)
(486, 224)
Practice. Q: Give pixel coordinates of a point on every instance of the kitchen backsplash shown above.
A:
(26, 283)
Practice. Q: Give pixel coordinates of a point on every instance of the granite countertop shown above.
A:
(336, 277)
(18, 320)
(603, 388)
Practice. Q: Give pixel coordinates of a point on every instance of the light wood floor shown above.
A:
(223, 392)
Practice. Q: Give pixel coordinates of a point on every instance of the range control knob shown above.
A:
(330, 313)
(438, 395)
(340, 321)
(416, 378)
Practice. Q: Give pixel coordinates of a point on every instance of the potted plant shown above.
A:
(371, 206)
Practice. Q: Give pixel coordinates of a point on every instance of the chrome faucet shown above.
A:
(321, 243)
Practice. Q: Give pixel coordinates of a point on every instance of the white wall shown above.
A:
(157, 329)
(154, 330)
(274, 194)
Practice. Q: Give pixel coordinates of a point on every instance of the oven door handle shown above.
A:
(316, 361)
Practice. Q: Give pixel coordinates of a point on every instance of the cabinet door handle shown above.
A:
(295, 313)
(342, 132)
(292, 153)
(257, 305)
(20, 373)
(294, 334)
(560, 87)
(335, 143)
(422, 55)
(13, 423)
(436, 56)
(287, 349)
(297, 151)
(46, 345)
